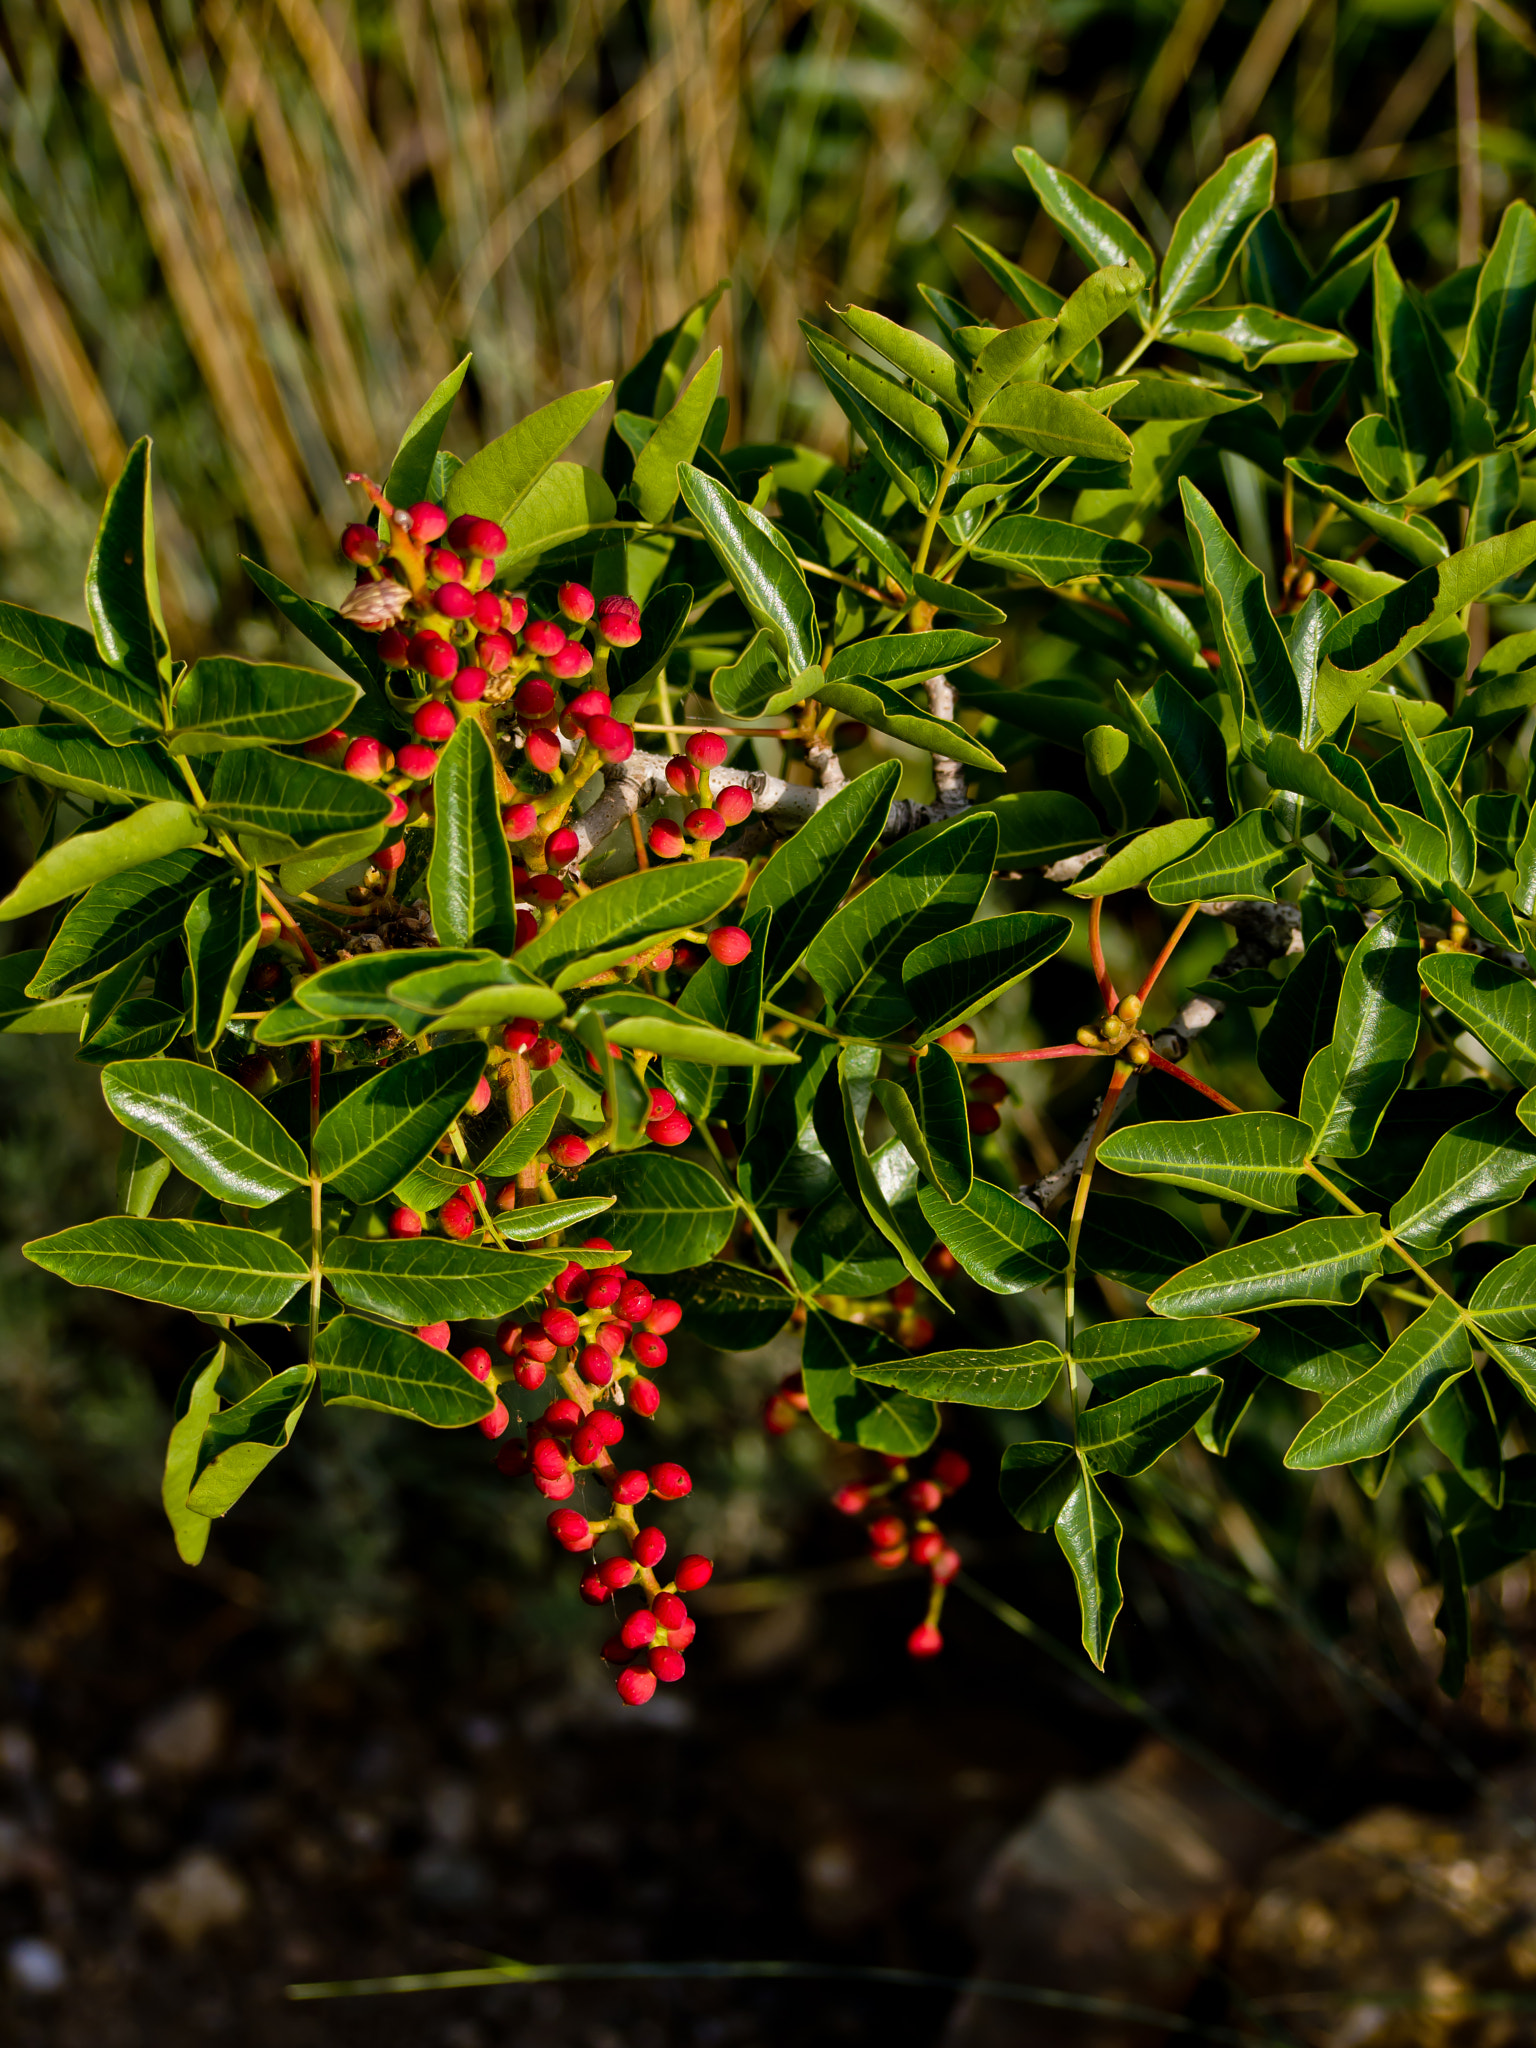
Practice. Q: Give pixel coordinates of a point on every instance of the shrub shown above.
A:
(564, 978)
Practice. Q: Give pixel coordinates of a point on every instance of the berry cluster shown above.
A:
(688, 774)
(597, 1331)
(899, 1510)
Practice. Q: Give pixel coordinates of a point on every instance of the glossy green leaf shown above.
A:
(908, 658)
(766, 580)
(533, 1226)
(142, 1171)
(1479, 1167)
(1255, 1158)
(1056, 424)
(675, 440)
(122, 582)
(1096, 304)
(887, 710)
(223, 931)
(880, 549)
(952, 597)
(1462, 1426)
(717, 1026)
(364, 1365)
(1352, 1079)
(1016, 1377)
(227, 1373)
(856, 1411)
(211, 1128)
(633, 670)
(86, 857)
(410, 474)
(913, 354)
(1093, 229)
(1329, 777)
(1159, 397)
(932, 887)
(1148, 854)
(1002, 1243)
(1497, 357)
(1143, 1349)
(1250, 858)
(224, 703)
(1256, 338)
(943, 1116)
(1374, 637)
(634, 914)
(1036, 1480)
(1368, 1415)
(59, 664)
(359, 989)
(469, 876)
(327, 630)
(1330, 1258)
(1413, 366)
(1037, 827)
(731, 1307)
(468, 996)
(1348, 266)
(671, 1212)
(1131, 1432)
(1495, 1004)
(525, 1140)
(238, 1444)
(1316, 1348)
(375, 1135)
(72, 757)
(886, 395)
(435, 1279)
(870, 1182)
(783, 1163)
(499, 481)
(838, 1249)
(1122, 776)
(1209, 234)
(562, 505)
(212, 1268)
(950, 978)
(1134, 1242)
(1088, 1531)
(1054, 551)
(1256, 666)
(280, 802)
(1503, 1303)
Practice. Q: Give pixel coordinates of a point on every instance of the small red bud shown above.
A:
(495, 1424)
(527, 928)
(561, 847)
(404, 1223)
(651, 1352)
(428, 523)
(543, 749)
(692, 1572)
(885, 1531)
(417, 761)
(362, 545)
(514, 614)
(644, 1397)
(570, 661)
(457, 1218)
(734, 803)
(570, 1529)
(570, 1150)
(670, 1130)
(618, 620)
(477, 1362)
(577, 602)
(665, 840)
(593, 1591)
(520, 1034)
(982, 1118)
(433, 721)
(616, 1573)
(454, 600)
(366, 759)
(543, 637)
(705, 825)
(636, 1686)
(707, 749)
(924, 1641)
(435, 1334)
(493, 651)
(394, 648)
(612, 741)
(648, 1548)
(951, 1470)
(667, 1664)
(520, 821)
(595, 1366)
(729, 944)
(961, 1039)
(469, 685)
(530, 1374)
(670, 1482)
(560, 1326)
(473, 536)
(669, 1610)
(545, 1053)
(630, 1488)
(851, 1500)
(665, 1316)
(478, 1104)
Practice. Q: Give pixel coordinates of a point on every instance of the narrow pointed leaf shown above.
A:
(225, 703)
(629, 916)
(1254, 659)
(1496, 355)
(1088, 1531)
(1093, 228)
(223, 931)
(122, 582)
(213, 1130)
(128, 913)
(1128, 1434)
(1055, 424)
(1016, 1377)
(1330, 1258)
(871, 1191)
(1054, 551)
(856, 1411)
(1250, 858)
(670, 1212)
(375, 1135)
(410, 474)
(808, 876)
(211, 1268)
(1495, 1004)
(1255, 1158)
(86, 858)
(59, 664)
(950, 978)
(469, 876)
(675, 440)
(281, 802)
(1504, 1301)
(72, 757)
(1370, 1414)
(1002, 1243)
(1316, 1348)
(767, 581)
(1352, 1079)
(1479, 1167)
(435, 1279)
(731, 1307)
(498, 481)
(1036, 1481)
(239, 1443)
(1156, 1347)
(364, 1365)
(884, 707)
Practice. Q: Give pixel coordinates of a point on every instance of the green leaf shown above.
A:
(1133, 1242)
(142, 1171)
(86, 857)
(1097, 233)
(948, 979)
(1054, 551)
(671, 1212)
(71, 757)
(211, 1128)
(1413, 366)
(908, 658)
(1495, 1004)
(1096, 304)
(881, 551)
(631, 915)
(717, 1024)
(1411, 533)
(838, 1249)
(647, 1024)
(136, 1029)
(929, 889)
(1256, 1158)
(1209, 234)
(533, 1226)
(1381, 459)
(563, 505)
(1133, 1431)
(1481, 1166)
(1496, 357)
(410, 474)
(1330, 1258)
(525, 1141)
(1250, 858)
(1158, 451)
(224, 703)
(434, 1279)
(375, 1135)
(1151, 1348)
(1002, 1243)
(280, 802)
(870, 1182)
(221, 1372)
(1056, 424)
(675, 440)
(215, 1268)
(1316, 1348)
(951, 597)
(810, 873)
(887, 710)
(1461, 1425)
(326, 630)
(851, 1410)
(223, 931)
(1374, 637)
(1036, 1480)
(471, 995)
(1148, 854)
(766, 580)
(1503, 1303)
(1159, 397)
(1016, 1377)
(1329, 777)
(1303, 1017)
(499, 482)
(632, 670)
(238, 1445)
(1122, 776)
(59, 664)
(731, 1307)
(1256, 338)
(469, 876)
(910, 415)
(1255, 665)
(1347, 266)
(913, 354)
(1352, 1079)
(783, 1163)
(944, 1122)
(1088, 1531)
(364, 1365)
(122, 583)
(1370, 1414)
(1037, 827)
(358, 990)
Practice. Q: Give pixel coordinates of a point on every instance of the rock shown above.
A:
(1120, 1889)
(1398, 1910)
(197, 1896)
(184, 1739)
(35, 1967)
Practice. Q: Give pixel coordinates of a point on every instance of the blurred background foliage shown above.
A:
(261, 229)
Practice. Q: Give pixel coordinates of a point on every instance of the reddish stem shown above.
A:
(1162, 959)
(1041, 1052)
(1096, 955)
(1155, 1059)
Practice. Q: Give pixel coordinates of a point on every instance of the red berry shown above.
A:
(636, 1686)
(454, 600)
(493, 651)
(638, 1630)
(961, 1039)
(512, 1459)
(404, 1223)
(561, 847)
(487, 613)
(520, 1034)
(603, 1289)
(590, 704)
(888, 1560)
(362, 545)
(477, 536)
(394, 648)
(534, 698)
(530, 1374)
(417, 761)
(670, 1482)
(545, 1053)
(570, 1529)
(570, 661)
(669, 1610)
(851, 1500)
(648, 1548)
(982, 1118)
(670, 1130)
(563, 1414)
(595, 1366)
(925, 1641)
(495, 1424)
(437, 657)
(570, 1150)
(612, 740)
(330, 748)
(537, 1345)
(705, 825)
(399, 809)
(729, 944)
(477, 1105)
(630, 1488)
(547, 1458)
(477, 1362)
(514, 612)
(922, 1496)
(707, 749)
(926, 1546)
(667, 1664)
(616, 1573)
(988, 1088)
(593, 1591)
(428, 522)
(618, 620)
(886, 1531)
(445, 565)
(577, 602)
(366, 759)
(682, 775)
(651, 1352)
(634, 1302)
(457, 1218)
(587, 1443)
(561, 1487)
(615, 1653)
(734, 803)
(435, 1334)
(527, 928)
(608, 1425)
(543, 637)
(665, 840)
(571, 1285)
(388, 858)
(520, 821)
(663, 1102)
(560, 1326)
(692, 1572)
(945, 1565)
(665, 1316)
(951, 1470)
(613, 1336)
(644, 1397)
(543, 750)
(470, 685)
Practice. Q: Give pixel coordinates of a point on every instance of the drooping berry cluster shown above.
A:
(688, 774)
(898, 1511)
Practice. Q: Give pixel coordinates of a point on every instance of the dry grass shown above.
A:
(262, 228)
